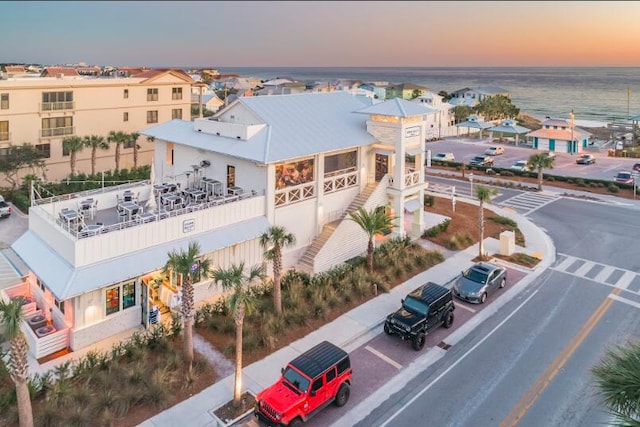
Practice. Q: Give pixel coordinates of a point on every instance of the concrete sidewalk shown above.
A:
(352, 330)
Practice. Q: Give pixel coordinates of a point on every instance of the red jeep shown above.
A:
(310, 382)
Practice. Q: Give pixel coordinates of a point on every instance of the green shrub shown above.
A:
(613, 188)
(459, 241)
(503, 220)
(507, 173)
(429, 200)
(550, 179)
(437, 229)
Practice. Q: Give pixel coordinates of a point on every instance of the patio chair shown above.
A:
(122, 214)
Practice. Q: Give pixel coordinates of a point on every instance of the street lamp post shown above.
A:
(572, 124)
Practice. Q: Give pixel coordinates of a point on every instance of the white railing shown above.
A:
(334, 182)
(295, 193)
(53, 106)
(51, 132)
(412, 178)
(85, 193)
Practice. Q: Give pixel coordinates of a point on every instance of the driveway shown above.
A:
(12, 227)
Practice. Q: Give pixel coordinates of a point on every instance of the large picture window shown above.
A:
(113, 300)
(295, 173)
(57, 126)
(57, 101)
(340, 162)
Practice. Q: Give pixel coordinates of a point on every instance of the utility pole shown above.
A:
(572, 124)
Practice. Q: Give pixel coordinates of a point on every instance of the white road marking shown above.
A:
(464, 307)
(454, 364)
(625, 280)
(606, 272)
(624, 300)
(385, 358)
(584, 268)
(564, 264)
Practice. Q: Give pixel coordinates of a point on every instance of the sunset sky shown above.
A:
(262, 34)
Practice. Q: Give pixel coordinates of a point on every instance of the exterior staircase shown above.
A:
(306, 261)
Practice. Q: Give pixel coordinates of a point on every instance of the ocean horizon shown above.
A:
(596, 95)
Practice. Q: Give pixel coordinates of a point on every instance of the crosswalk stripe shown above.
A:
(584, 268)
(604, 274)
(565, 263)
(625, 280)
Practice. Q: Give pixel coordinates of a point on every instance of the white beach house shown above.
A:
(559, 135)
(301, 161)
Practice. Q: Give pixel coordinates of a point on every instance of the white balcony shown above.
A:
(55, 106)
(53, 132)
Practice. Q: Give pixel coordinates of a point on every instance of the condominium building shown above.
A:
(43, 111)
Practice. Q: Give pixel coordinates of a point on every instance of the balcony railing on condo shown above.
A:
(53, 106)
(5, 136)
(338, 180)
(51, 132)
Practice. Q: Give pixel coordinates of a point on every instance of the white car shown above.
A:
(520, 165)
(444, 157)
(494, 151)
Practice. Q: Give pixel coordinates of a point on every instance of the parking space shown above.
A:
(380, 359)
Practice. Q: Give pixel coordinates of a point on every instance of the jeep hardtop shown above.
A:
(310, 382)
(424, 309)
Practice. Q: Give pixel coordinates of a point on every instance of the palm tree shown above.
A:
(73, 145)
(618, 383)
(94, 142)
(273, 240)
(133, 138)
(118, 138)
(373, 222)
(189, 268)
(484, 196)
(240, 302)
(17, 365)
(539, 162)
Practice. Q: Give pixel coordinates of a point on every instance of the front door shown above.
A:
(144, 300)
(382, 166)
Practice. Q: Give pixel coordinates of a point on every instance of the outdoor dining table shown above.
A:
(129, 207)
(212, 186)
(172, 200)
(87, 206)
(71, 215)
(196, 195)
(161, 188)
(236, 191)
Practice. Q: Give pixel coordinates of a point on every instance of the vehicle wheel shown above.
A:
(503, 282)
(418, 341)
(448, 319)
(386, 329)
(483, 298)
(295, 423)
(343, 395)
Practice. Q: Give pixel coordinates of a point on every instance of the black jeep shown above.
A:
(424, 309)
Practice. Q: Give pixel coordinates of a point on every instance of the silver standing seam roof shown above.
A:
(65, 281)
(298, 125)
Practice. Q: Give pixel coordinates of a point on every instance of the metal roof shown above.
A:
(509, 126)
(298, 125)
(66, 281)
(396, 107)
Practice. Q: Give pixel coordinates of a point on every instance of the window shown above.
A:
(317, 384)
(331, 374)
(176, 93)
(128, 143)
(176, 113)
(340, 162)
(52, 101)
(169, 153)
(126, 93)
(4, 130)
(45, 149)
(152, 116)
(231, 176)
(125, 117)
(128, 295)
(60, 305)
(152, 94)
(4, 101)
(113, 300)
(343, 366)
(57, 126)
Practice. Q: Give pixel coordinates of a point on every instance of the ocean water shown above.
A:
(594, 94)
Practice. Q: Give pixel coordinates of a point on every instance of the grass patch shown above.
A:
(520, 259)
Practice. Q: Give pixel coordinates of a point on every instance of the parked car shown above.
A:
(520, 165)
(310, 382)
(636, 167)
(444, 157)
(585, 159)
(494, 151)
(423, 310)
(481, 279)
(624, 177)
(5, 208)
(481, 161)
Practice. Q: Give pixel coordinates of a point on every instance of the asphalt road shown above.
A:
(604, 168)
(529, 364)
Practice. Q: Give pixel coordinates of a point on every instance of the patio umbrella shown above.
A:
(474, 122)
(510, 127)
(152, 203)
